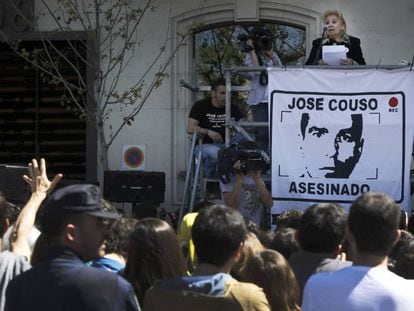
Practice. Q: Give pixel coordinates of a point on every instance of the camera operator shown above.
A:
(259, 52)
(247, 191)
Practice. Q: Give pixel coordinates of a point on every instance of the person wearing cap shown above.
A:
(14, 259)
(74, 225)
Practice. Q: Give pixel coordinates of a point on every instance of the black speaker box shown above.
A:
(134, 186)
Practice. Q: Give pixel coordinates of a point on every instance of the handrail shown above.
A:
(191, 157)
(347, 67)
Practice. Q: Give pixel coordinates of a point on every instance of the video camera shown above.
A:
(250, 160)
(262, 39)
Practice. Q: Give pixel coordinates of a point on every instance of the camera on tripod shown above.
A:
(262, 39)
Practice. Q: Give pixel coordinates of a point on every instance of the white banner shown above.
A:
(338, 133)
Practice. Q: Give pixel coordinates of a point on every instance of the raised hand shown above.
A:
(38, 180)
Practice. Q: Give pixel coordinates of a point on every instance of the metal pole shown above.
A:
(196, 175)
(187, 177)
(228, 105)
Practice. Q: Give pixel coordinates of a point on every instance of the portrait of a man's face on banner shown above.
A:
(330, 153)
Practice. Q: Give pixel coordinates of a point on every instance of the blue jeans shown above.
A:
(261, 114)
(210, 155)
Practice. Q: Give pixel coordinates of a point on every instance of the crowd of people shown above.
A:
(89, 256)
(70, 249)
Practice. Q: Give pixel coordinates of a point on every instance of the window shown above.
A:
(35, 118)
(218, 48)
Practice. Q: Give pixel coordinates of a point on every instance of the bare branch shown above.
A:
(153, 85)
(61, 78)
(36, 65)
(62, 28)
(130, 34)
(122, 54)
(112, 27)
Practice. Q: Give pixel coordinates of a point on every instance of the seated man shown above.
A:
(367, 285)
(247, 191)
(218, 234)
(208, 118)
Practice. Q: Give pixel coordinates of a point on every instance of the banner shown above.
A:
(338, 133)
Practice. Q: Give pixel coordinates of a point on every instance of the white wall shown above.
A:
(386, 29)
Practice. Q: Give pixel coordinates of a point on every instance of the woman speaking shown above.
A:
(335, 34)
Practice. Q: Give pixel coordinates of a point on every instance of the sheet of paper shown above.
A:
(332, 54)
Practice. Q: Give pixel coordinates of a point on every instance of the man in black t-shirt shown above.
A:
(208, 118)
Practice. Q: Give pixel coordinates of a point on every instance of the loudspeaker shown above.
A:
(12, 185)
(134, 186)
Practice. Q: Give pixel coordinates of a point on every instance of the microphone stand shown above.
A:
(319, 50)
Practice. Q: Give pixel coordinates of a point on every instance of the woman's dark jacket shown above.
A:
(352, 43)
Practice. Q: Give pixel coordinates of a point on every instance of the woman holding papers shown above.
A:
(335, 34)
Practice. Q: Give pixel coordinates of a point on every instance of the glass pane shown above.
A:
(221, 47)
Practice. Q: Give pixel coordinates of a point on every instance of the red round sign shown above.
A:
(133, 157)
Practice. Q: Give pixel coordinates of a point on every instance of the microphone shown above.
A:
(318, 54)
(324, 30)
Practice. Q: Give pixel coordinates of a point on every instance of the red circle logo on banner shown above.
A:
(393, 102)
